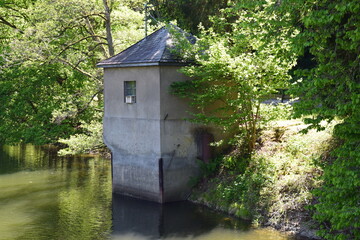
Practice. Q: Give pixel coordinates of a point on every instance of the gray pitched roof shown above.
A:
(152, 50)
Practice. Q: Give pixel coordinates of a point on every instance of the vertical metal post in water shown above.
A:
(161, 179)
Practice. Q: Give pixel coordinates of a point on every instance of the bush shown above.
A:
(338, 206)
(92, 141)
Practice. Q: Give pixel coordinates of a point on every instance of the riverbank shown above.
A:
(273, 188)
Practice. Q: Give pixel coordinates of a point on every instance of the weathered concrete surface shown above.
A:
(179, 152)
(154, 148)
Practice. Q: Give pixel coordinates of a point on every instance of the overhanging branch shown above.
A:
(76, 68)
(4, 21)
(78, 41)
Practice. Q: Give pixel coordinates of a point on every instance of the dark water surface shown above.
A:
(43, 196)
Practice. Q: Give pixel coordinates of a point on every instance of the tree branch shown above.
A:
(4, 21)
(76, 68)
(91, 99)
(76, 42)
(92, 32)
(94, 14)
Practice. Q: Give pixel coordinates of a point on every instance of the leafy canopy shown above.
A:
(49, 83)
(331, 89)
(237, 66)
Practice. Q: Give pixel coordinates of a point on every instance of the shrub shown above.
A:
(84, 143)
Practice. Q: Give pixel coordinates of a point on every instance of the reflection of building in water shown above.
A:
(153, 221)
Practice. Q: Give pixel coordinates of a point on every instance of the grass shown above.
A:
(274, 187)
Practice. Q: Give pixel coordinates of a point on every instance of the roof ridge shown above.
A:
(164, 47)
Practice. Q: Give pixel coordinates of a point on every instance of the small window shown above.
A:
(130, 91)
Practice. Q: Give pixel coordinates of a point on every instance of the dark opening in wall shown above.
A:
(204, 148)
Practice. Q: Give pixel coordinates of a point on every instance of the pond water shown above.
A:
(43, 196)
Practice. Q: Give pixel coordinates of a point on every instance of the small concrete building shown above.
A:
(154, 149)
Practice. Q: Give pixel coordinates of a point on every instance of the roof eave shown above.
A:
(146, 64)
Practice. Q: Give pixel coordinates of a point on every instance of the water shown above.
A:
(43, 196)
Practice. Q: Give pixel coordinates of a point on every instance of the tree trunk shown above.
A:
(108, 28)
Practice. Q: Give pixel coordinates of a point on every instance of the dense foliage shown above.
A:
(49, 85)
(330, 30)
(188, 14)
(237, 67)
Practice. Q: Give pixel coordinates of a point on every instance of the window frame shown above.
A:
(130, 90)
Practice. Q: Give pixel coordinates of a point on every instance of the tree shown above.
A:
(189, 14)
(331, 89)
(237, 65)
(49, 83)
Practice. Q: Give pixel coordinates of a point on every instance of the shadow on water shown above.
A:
(179, 219)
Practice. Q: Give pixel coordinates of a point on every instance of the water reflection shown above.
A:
(43, 196)
(135, 219)
(147, 220)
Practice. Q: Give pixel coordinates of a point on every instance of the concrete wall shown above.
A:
(132, 131)
(178, 140)
(147, 90)
(153, 128)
